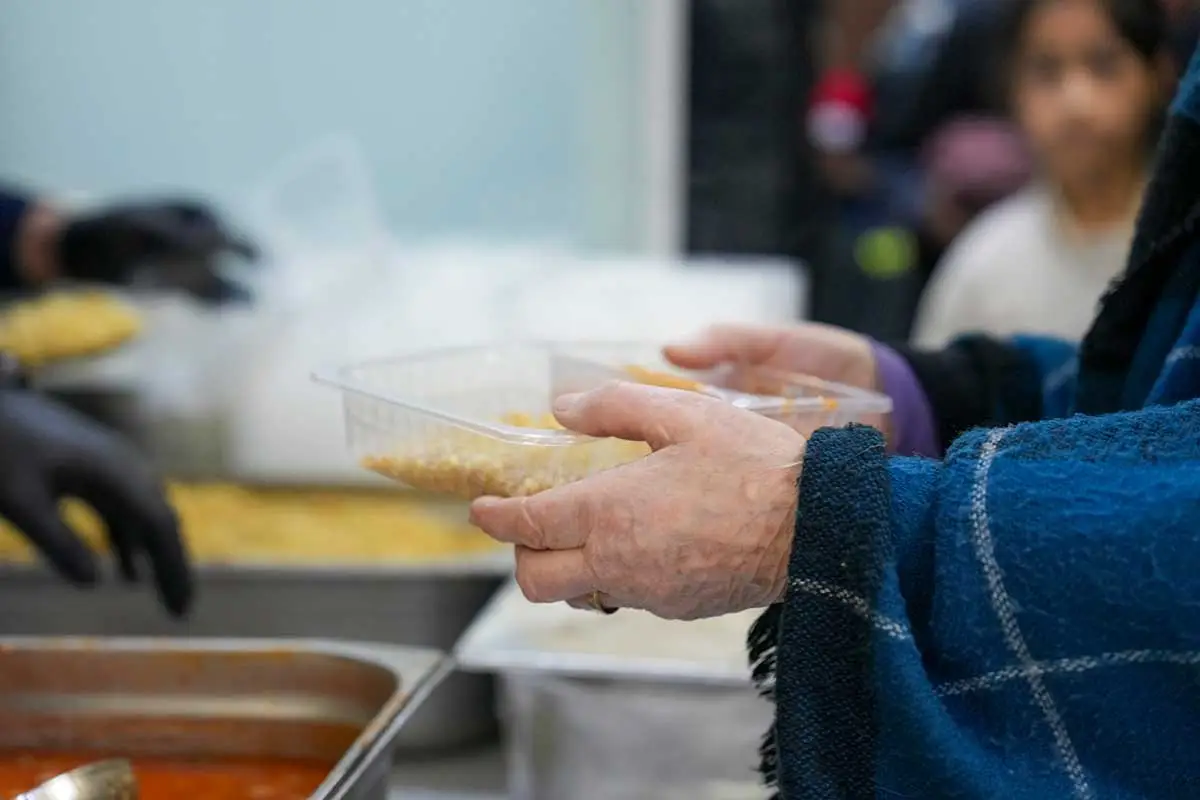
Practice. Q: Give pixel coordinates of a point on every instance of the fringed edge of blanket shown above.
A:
(763, 643)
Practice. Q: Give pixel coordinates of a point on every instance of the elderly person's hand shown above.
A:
(822, 351)
(702, 526)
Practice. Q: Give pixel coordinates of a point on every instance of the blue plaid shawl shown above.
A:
(1022, 618)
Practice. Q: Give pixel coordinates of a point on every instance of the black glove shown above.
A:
(182, 241)
(48, 452)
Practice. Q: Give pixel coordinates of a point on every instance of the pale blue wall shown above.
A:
(499, 118)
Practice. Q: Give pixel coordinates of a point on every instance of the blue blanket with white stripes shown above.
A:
(1022, 618)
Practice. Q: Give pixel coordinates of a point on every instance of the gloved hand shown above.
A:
(48, 452)
(183, 241)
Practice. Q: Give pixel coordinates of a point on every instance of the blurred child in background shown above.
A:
(1088, 81)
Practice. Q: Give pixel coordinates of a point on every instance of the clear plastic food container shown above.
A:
(477, 421)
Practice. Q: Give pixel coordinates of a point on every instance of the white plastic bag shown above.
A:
(624, 300)
(319, 222)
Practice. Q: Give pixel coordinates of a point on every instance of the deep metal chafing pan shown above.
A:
(337, 701)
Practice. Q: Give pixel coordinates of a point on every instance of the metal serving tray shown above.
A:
(425, 603)
(512, 635)
(422, 605)
(340, 701)
(581, 694)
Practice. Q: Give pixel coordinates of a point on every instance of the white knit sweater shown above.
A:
(1014, 270)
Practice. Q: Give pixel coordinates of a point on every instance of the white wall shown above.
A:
(510, 119)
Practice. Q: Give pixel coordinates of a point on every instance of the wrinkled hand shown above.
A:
(48, 452)
(702, 526)
(182, 241)
(822, 351)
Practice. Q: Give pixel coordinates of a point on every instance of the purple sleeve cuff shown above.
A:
(913, 430)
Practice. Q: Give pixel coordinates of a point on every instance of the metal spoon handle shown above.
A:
(101, 780)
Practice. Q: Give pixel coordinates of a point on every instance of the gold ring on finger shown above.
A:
(596, 604)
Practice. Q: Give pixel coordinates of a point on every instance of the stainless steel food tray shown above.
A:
(425, 605)
(340, 701)
(600, 707)
(513, 635)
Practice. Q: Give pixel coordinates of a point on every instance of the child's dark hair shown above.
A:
(1142, 24)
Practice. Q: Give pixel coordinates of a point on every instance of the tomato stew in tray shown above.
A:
(169, 779)
(211, 719)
